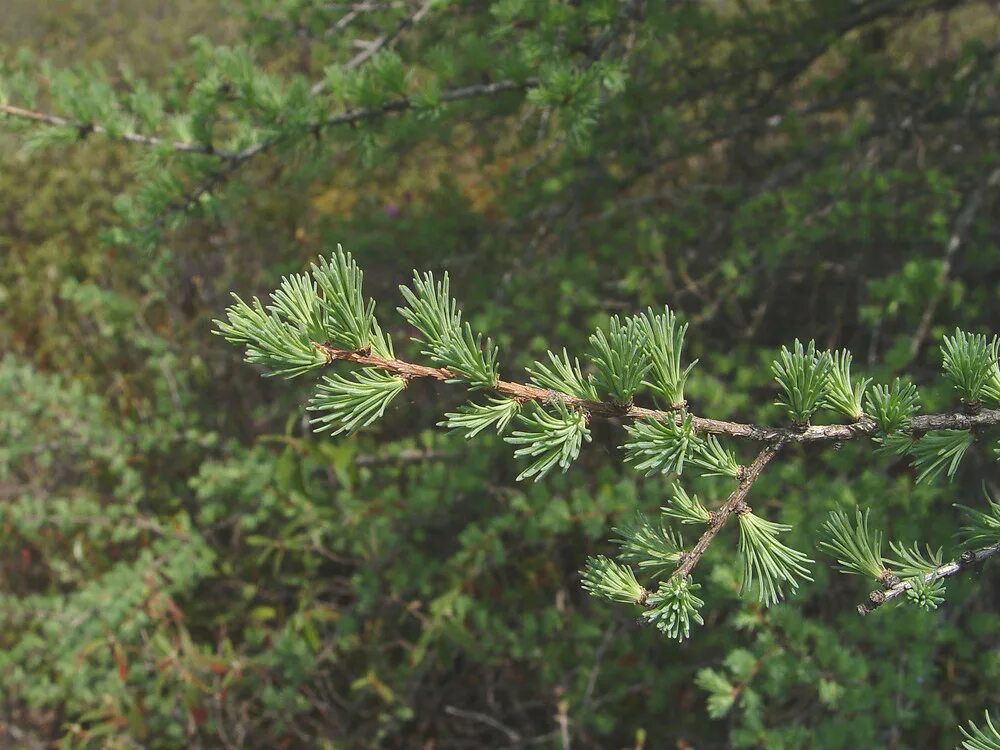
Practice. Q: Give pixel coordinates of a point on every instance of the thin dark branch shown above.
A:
(236, 159)
(347, 117)
(376, 46)
(85, 129)
(963, 222)
(489, 721)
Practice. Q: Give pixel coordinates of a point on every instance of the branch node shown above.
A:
(972, 408)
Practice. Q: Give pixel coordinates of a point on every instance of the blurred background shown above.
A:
(184, 564)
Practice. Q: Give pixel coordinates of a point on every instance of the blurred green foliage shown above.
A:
(184, 564)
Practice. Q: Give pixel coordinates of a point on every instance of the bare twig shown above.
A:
(562, 716)
(237, 158)
(968, 560)
(373, 48)
(387, 39)
(482, 718)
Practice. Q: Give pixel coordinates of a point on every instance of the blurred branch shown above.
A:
(374, 47)
(236, 159)
(86, 129)
(963, 222)
(22, 737)
(411, 455)
(489, 721)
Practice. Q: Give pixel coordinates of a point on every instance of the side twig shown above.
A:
(735, 501)
(970, 559)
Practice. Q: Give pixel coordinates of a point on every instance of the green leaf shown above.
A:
(858, 551)
(551, 439)
(346, 404)
(987, 738)
(715, 460)
(282, 346)
(564, 377)
(721, 693)
(767, 562)
(40, 139)
(911, 562)
(664, 338)
(450, 343)
(660, 445)
(843, 395)
(969, 361)
(674, 606)
(297, 301)
(829, 692)
(892, 408)
(742, 663)
(803, 377)
(984, 528)
(991, 389)
(474, 418)
(620, 359)
(651, 546)
(938, 451)
(349, 320)
(686, 508)
(603, 577)
(896, 444)
(927, 595)
(380, 342)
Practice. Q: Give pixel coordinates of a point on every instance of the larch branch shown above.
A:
(970, 559)
(865, 427)
(346, 117)
(733, 503)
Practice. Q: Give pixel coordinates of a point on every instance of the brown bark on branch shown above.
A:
(735, 501)
(702, 425)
